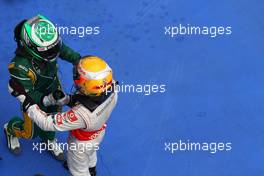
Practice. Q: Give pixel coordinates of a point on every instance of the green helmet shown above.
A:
(40, 38)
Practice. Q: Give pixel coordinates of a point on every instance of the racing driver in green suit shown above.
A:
(35, 67)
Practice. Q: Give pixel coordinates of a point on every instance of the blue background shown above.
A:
(214, 87)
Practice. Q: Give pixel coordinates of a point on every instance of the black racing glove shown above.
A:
(18, 91)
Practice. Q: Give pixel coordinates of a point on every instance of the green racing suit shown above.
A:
(39, 78)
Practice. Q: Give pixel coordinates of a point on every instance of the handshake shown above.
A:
(58, 97)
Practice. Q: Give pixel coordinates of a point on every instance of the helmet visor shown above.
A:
(50, 52)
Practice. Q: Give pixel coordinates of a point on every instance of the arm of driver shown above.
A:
(66, 121)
